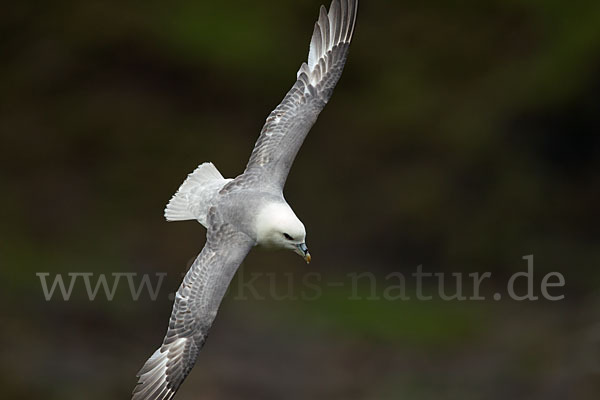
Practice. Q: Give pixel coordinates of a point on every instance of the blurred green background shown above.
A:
(462, 136)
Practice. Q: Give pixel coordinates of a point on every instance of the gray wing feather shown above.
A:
(287, 126)
(196, 303)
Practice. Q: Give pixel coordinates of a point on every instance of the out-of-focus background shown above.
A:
(462, 137)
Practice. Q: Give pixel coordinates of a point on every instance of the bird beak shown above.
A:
(303, 251)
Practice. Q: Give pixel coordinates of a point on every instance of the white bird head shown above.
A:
(277, 226)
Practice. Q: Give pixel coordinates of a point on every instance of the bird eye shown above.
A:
(288, 237)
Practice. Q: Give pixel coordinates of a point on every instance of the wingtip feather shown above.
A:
(165, 362)
(333, 28)
(325, 30)
(334, 20)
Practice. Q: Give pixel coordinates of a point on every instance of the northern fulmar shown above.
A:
(248, 210)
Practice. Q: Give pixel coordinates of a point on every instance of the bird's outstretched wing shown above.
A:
(287, 126)
(196, 305)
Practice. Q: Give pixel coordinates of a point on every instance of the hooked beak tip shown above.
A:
(303, 251)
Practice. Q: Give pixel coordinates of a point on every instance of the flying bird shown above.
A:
(248, 210)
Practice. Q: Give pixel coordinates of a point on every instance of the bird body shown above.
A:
(255, 212)
(248, 210)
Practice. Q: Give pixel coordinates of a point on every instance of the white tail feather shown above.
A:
(179, 207)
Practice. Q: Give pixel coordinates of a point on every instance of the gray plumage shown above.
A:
(196, 305)
(248, 210)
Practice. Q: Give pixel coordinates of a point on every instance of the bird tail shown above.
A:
(182, 205)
